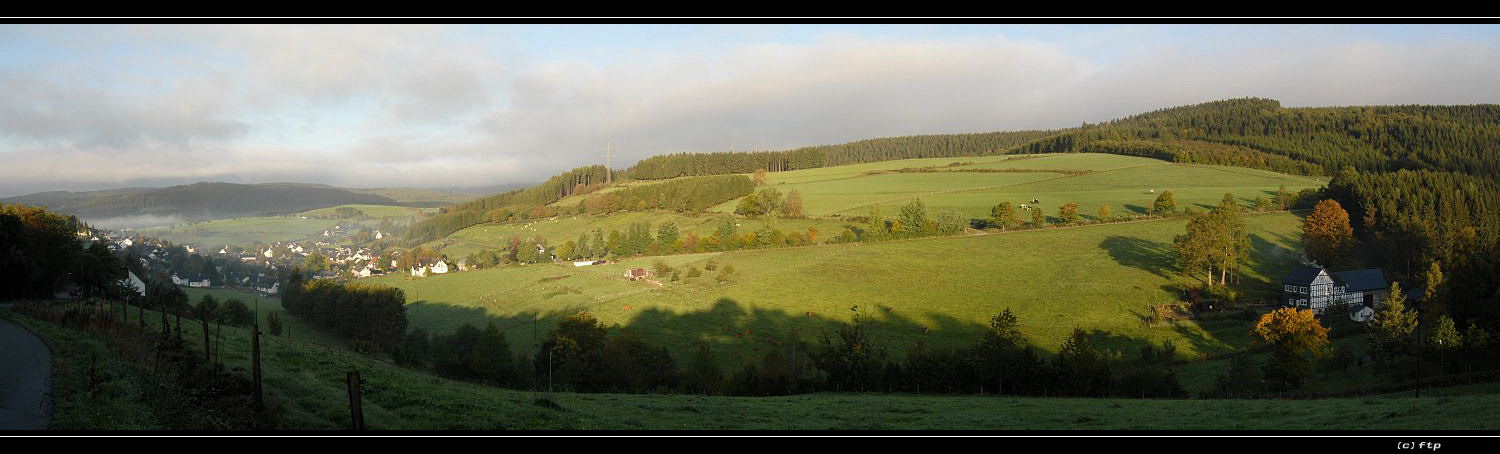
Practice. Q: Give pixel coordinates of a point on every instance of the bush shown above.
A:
(273, 323)
(235, 313)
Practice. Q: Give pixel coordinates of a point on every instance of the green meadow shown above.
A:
(941, 291)
(1128, 184)
(305, 389)
(562, 229)
(373, 211)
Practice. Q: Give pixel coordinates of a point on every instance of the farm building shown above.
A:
(1315, 288)
(638, 273)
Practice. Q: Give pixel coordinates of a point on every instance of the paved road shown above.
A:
(25, 379)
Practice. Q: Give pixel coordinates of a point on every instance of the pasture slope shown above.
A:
(304, 386)
(1128, 184)
(938, 290)
(974, 185)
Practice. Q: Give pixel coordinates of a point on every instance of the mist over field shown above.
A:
(134, 222)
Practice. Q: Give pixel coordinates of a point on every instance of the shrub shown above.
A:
(273, 323)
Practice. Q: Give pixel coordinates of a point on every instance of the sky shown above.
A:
(442, 106)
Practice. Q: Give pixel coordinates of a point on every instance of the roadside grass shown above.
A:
(109, 400)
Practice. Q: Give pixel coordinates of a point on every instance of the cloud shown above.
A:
(448, 106)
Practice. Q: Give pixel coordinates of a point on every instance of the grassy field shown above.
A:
(567, 228)
(939, 290)
(1123, 182)
(294, 326)
(373, 211)
(304, 385)
(418, 196)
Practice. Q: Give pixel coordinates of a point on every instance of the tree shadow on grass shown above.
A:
(1148, 255)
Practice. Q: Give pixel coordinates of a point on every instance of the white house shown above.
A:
(268, 253)
(440, 267)
(198, 284)
(378, 235)
(134, 283)
(419, 271)
(1315, 288)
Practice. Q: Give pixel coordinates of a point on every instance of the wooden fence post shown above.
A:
(255, 363)
(356, 409)
(207, 347)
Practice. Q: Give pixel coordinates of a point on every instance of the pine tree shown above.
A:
(1392, 326)
(1432, 290)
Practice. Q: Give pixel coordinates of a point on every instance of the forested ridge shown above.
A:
(869, 150)
(1245, 132)
(200, 200)
(1260, 133)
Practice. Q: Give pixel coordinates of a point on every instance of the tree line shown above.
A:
(462, 215)
(40, 252)
(685, 195)
(583, 355)
(869, 150)
(1255, 132)
(372, 316)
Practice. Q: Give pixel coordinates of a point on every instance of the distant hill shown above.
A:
(199, 200)
(418, 197)
(435, 197)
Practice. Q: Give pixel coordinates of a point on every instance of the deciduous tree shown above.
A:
(1326, 234)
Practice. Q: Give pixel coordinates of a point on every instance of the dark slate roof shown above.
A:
(1302, 275)
(1363, 280)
